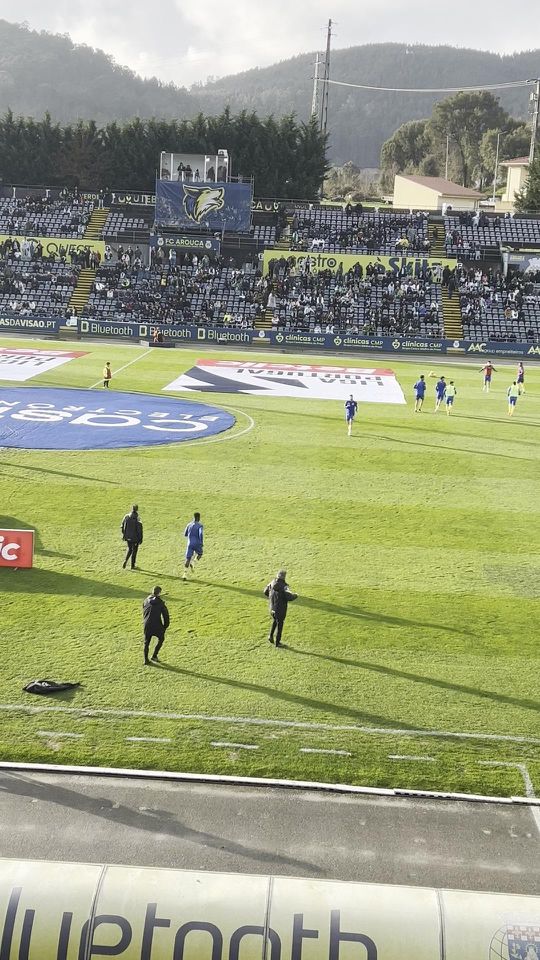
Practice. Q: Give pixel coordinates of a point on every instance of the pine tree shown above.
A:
(528, 198)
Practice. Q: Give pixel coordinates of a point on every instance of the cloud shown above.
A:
(185, 42)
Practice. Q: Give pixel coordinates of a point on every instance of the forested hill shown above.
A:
(42, 71)
(360, 121)
(46, 71)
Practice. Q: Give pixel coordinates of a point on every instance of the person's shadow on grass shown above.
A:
(355, 716)
(340, 610)
(418, 678)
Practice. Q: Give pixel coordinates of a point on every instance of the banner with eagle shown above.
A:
(212, 206)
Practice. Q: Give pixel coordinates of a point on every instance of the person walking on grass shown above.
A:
(132, 533)
(279, 597)
(194, 549)
(440, 390)
(512, 394)
(419, 393)
(351, 409)
(450, 396)
(107, 374)
(488, 370)
(156, 620)
(520, 378)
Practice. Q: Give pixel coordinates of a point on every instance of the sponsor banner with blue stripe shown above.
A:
(342, 342)
(36, 325)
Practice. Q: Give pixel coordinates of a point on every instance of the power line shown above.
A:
(485, 86)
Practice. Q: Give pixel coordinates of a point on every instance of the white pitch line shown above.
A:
(56, 734)
(126, 365)
(337, 753)
(527, 783)
(148, 739)
(226, 435)
(237, 746)
(404, 756)
(263, 722)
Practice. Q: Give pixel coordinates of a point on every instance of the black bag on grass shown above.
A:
(48, 686)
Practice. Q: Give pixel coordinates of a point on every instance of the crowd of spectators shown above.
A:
(64, 216)
(472, 235)
(37, 288)
(351, 231)
(373, 302)
(499, 307)
(185, 290)
(16, 251)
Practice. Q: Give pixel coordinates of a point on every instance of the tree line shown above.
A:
(461, 134)
(286, 157)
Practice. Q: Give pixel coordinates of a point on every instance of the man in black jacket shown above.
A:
(155, 622)
(279, 596)
(132, 533)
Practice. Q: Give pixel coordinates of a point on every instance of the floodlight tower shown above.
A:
(323, 125)
(315, 105)
(535, 108)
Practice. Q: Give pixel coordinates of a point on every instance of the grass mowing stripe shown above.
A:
(120, 369)
(413, 549)
(269, 722)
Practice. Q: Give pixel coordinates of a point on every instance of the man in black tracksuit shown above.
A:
(155, 622)
(132, 533)
(279, 596)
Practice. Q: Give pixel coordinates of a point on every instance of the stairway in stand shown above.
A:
(284, 242)
(81, 293)
(94, 227)
(451, 312)
(451, 306)
(265, 322)
(436, 237)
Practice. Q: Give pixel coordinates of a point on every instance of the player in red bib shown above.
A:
(487, 370)
(520, 377)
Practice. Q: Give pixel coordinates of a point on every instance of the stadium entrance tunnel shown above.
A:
(66, 910)
(43, 418)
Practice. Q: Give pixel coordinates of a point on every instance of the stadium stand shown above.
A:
(36, 288)
(497, 308)
(342, 231)
(475, 234)
(119, 225)
(375, 303)
(265, 235)
(30, 216)
(204, 294)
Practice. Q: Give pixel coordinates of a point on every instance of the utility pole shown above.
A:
(326, 77)
(447, 155)
(496, 167)
(535, 105)
(315, 99)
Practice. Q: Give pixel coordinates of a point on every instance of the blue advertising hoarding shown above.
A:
(216, 206)
(38, 326)
(200, 245)
(340, 342)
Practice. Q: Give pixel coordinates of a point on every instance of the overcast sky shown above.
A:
(186, 41)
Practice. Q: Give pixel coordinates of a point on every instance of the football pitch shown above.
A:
(412, 652)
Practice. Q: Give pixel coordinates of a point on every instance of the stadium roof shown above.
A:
(444, 187)
(516, 162)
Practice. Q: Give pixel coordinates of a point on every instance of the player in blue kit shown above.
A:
(440, 390)
(351, 407)
(419, 393)
(194, 550)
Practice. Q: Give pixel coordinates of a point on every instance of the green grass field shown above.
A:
(413, 546)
